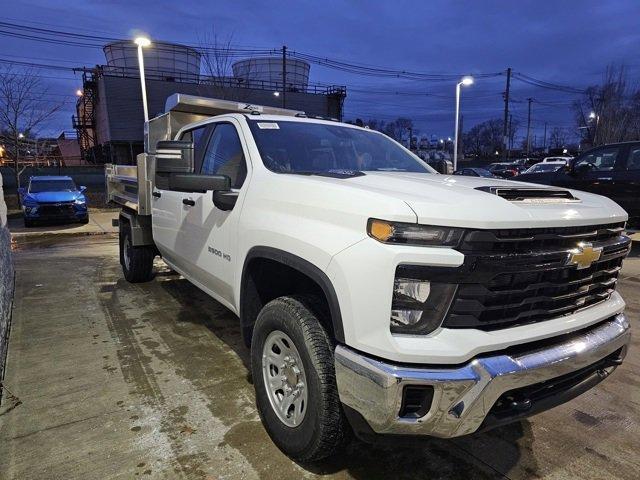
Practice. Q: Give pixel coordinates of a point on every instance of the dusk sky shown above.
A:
(563, 42)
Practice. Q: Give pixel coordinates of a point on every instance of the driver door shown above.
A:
(210, 246)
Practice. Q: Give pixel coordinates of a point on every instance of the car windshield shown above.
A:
(318, 148)
(37, 186)
(545, 167)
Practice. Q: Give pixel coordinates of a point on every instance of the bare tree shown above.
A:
(558, 138)
(609, 112)
(23, 107)
(217, 60)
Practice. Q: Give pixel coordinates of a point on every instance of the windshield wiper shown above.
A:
(337, 173)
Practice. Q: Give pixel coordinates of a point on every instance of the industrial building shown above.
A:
(109, 117)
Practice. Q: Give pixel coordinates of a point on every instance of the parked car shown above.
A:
(611, 170)
(525, 162)
(544, 167)
(504, 170)
(375, 294)
(474, 172)
(567, 159)
(53, 198)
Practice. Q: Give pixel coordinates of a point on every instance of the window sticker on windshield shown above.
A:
(268, 126)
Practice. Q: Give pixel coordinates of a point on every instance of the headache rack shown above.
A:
(131, 185)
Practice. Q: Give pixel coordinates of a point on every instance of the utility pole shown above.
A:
(509, 139)
(284, 76)
(530, 100)
(506, 115)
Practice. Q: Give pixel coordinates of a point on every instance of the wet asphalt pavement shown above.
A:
(114, 380)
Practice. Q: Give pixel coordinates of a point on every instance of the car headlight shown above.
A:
(413, 233)
(80, 201)
(419, 306)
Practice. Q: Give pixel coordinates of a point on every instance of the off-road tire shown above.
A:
(324, 428)
(138, 267)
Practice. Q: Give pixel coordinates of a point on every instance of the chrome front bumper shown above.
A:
(463, 396)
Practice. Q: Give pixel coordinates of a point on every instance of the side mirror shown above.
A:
(189, 182)
(581, 169)
(82, 189)
(174, 157)
(225, 200)
(22, 191)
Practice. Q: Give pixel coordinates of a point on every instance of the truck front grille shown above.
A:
(516, 277)
(522, 276)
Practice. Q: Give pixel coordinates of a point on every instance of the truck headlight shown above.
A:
(419, 306)
(413, 233)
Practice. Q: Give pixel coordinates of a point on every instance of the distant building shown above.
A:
(109, 117)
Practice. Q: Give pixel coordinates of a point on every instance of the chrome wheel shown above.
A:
(284, 378)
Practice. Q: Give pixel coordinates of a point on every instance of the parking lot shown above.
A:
(115, 380)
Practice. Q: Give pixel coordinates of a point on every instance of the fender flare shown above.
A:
(305, 267)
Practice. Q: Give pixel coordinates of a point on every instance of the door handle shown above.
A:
(188, 201)
(156, 194)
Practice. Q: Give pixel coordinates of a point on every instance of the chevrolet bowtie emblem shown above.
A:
(584, 255)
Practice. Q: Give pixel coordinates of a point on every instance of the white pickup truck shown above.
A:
(377, 295)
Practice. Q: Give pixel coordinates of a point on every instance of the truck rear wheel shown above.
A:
(137, 262)
(294, 379)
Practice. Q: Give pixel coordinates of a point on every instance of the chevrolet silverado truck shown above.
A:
(377, 296)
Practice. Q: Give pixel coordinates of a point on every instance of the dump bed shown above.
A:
(131, 185)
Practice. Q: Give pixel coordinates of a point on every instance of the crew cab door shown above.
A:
(168, 209)
(628, 185)
(597, 170)
(210, 248)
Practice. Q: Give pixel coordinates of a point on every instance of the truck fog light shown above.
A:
(419, 306)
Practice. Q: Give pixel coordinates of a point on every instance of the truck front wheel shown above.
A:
(294, 379)
(137, 262)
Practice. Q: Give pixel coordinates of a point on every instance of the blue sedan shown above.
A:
(53, 198)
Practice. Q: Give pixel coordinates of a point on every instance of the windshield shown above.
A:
(303, 147)
(545, 167)
(38, 186)
(483, 173)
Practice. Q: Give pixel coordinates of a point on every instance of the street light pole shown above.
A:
(143, 42)
(466, 81)
(596, 117)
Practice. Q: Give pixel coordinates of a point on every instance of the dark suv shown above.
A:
(611, 170)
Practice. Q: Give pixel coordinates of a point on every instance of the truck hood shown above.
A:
(454, 200)
(53, 197)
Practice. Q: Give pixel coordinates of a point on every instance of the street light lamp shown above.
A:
(466, 81)
(142, 42)
(21, 135)
(79, 93)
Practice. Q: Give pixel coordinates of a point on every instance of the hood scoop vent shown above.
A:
(531, 195)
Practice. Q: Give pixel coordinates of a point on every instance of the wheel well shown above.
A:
(265, 279)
